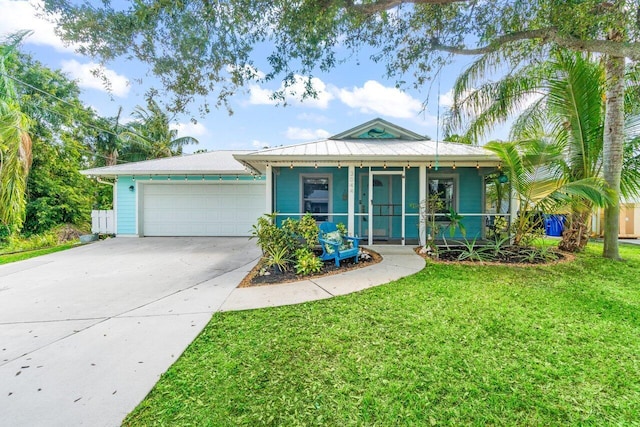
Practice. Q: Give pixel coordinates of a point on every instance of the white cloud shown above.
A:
(22, 15)
(194, 130)
(446, 99)
(373, 97)
(306, 134)
(293, 94)
(314, 118)
(259, 145)
(84, 74)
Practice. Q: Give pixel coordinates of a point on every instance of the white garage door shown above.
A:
(221, 209)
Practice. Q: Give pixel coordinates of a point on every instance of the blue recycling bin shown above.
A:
(554, 224)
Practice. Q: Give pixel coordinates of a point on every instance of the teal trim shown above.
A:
(377, 133)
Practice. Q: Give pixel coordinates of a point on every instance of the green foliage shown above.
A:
(15, 141)
(307, 262)
(285, 243)
(342, 229)
(15, 243)
(58, 194)
(536, 191)
(150, 135)
(543, 346)
(269, 235)
(471, 252)
(21, 256)
(308, 230)
(411, 39)
(278, 257)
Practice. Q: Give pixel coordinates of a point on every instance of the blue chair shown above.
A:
(335, 246)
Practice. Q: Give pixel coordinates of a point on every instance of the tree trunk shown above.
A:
(576, 232)
(612, 150)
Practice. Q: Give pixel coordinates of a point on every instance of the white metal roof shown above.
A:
(214, 162)
(371, 149)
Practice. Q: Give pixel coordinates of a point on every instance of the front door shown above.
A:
(383, 202)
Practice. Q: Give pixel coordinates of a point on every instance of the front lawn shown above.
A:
(453, 344)
(21, 256)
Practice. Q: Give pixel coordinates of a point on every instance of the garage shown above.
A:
(200, 209)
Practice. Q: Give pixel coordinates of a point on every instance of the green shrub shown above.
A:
(278, 258)
(16, 243)
(307, 262)
(280, 244)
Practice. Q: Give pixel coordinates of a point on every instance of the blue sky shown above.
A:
(349, 95)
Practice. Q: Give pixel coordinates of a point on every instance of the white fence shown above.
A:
(103, 222)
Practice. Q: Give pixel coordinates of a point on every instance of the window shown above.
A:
(442, 191)
(316, 196)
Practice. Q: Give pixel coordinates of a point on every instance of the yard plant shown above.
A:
(450, 345)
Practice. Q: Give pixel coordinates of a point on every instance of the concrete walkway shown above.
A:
(86, 333)
(397, 262)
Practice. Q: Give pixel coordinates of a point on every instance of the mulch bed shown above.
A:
(510, 255)
(275, 277)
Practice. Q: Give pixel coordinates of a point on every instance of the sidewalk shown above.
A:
(397, 262)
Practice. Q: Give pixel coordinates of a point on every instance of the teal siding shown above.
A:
(126, 206)
(469, 199)
(288, 191)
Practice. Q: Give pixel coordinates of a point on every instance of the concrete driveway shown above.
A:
(85, 333)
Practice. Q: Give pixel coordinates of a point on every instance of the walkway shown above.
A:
(397, 262)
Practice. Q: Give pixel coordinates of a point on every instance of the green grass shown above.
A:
(20, 256)
(451, 345)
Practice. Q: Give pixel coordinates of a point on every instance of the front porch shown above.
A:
(376, 179)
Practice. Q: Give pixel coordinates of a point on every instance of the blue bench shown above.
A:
(335, 246)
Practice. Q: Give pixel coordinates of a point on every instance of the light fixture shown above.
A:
(385, 165)
(203, 177)
(168, 178)
(360, 164)
(150, 177)
(219, 177)
(477, 165)
(499, 166)
(430, 165)
(339, 165)
(133, 177)
(291, 165)
(315, 165)
(454, 165)
(408, 165)
(237, 177)
(185, 177)
(131, 188)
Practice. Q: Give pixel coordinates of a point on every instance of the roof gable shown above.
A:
(378, 129)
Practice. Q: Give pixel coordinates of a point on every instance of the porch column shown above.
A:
(269, 198)
(422, 198)
(351, 204)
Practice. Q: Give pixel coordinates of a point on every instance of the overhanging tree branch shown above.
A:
(548, 35)
(379, 6)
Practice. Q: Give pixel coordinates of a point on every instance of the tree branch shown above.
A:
(548, 35)
(379, 6)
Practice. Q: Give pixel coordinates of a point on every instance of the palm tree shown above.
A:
(526, 165)
(560, 101)
(15, 144)
(149, 136)
(108, 142)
